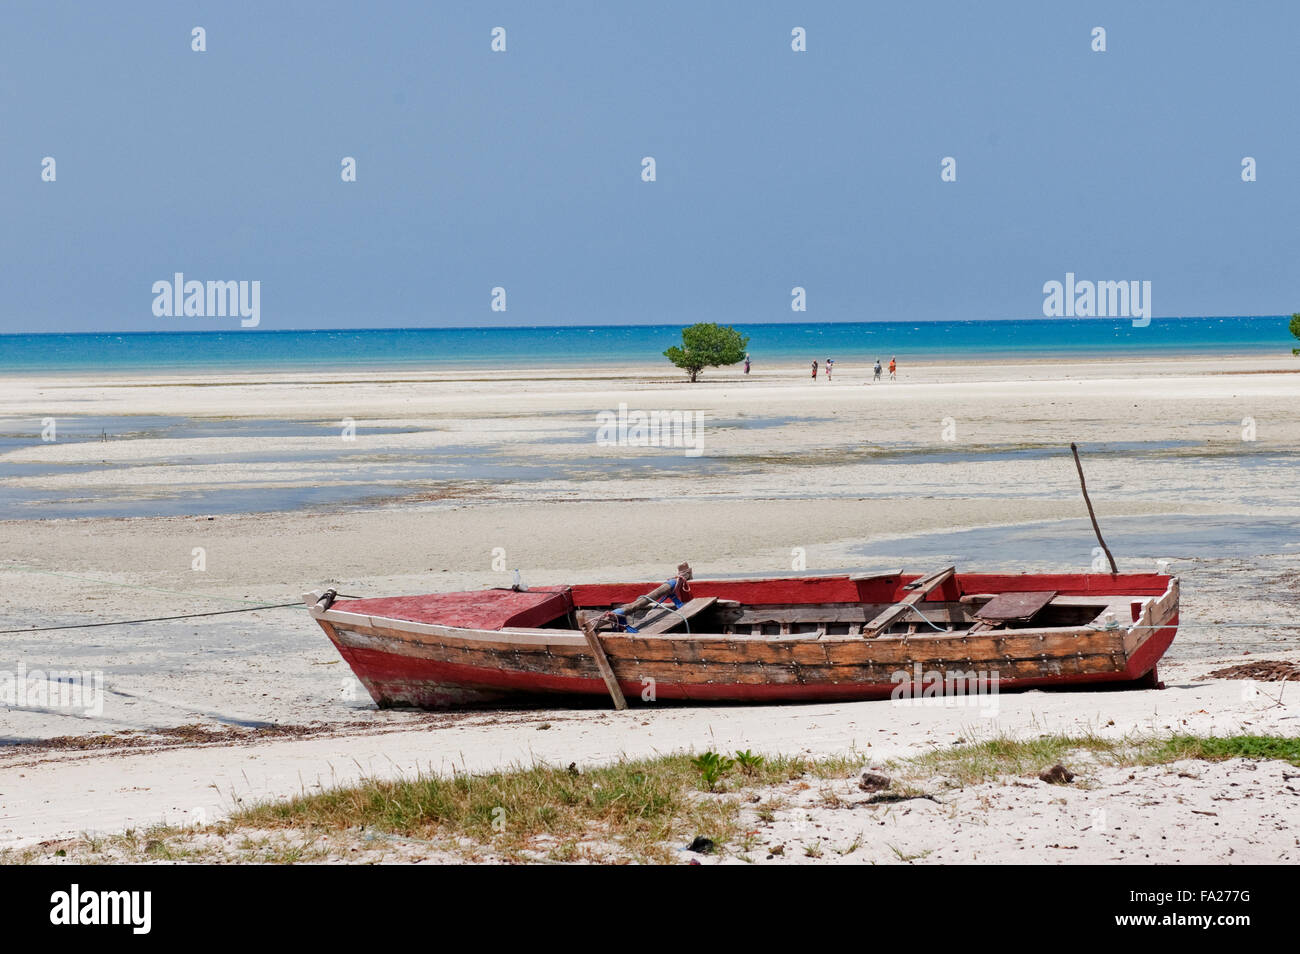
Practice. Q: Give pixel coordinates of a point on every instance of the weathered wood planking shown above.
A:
(426, 663)
(1012, 645)
(801, 667)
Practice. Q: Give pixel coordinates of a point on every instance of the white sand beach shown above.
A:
(1188, 460)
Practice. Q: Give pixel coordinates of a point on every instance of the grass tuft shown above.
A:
(1214, 749)
(1002, 755)
(977, 762)
(636, 805)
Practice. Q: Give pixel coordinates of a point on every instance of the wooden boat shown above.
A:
(811, 638)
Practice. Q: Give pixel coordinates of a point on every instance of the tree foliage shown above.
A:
(1295, 330)
(707, 345)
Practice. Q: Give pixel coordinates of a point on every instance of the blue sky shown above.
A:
(523, 169)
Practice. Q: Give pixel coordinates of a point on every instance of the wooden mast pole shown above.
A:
(1083, 485)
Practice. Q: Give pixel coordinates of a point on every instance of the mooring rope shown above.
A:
(164, 619)
(150, 619)
(1262, 624)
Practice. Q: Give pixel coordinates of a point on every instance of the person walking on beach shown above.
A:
(830, 363)
(877, 369)
(747, 364)
(814, 369)
(893, 369)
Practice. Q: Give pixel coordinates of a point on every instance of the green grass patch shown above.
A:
(644, 807)
(1213, 749)
(636, 804)
(977, 762)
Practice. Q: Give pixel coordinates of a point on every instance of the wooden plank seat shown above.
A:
(1100, 599)
(661, 621)
(1106, 604)
(1087, 599)
(821, 613)
(1019, 607)
(920, 589)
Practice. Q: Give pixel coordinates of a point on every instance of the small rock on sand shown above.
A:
(701, 845)
(873, 780)
(1058, 774)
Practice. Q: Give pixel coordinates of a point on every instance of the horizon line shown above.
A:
(870, 321)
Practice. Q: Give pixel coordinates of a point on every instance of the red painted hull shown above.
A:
(421, 662)
(430, 684)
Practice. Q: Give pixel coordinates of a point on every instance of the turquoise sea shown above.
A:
(770, 344)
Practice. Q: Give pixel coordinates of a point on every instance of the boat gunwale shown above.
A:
(571, 637)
